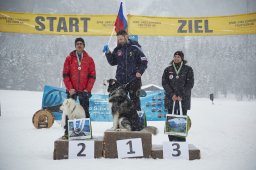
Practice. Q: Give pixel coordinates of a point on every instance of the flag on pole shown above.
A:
(121, 19)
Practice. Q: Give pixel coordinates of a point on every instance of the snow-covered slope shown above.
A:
(224, 132)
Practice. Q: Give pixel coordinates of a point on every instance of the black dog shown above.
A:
(125, 116)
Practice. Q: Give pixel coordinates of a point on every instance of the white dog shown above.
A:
(71, 109)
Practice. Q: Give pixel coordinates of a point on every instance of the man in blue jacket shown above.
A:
(131, 64)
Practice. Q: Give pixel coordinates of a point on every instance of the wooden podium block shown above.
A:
(110, 138)
(194, 153)
(61, 148)
(157, 152)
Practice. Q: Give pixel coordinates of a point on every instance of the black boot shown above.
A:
(176, 138)
(65, 136)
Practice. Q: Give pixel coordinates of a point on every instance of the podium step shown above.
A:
(110, 138)
(157, 152)
(61, 148)
(106, 146)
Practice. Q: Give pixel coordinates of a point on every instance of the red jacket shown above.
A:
(82, 79)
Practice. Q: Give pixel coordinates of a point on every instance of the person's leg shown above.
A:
(84, 102)
(66, 128)
(184, 110)
(74, 96)
(176, 108)
(132, 90)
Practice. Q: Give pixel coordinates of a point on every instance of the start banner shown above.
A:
(58, 24)
(102, 25)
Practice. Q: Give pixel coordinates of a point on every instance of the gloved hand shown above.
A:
(84, 94)
(88, 94)
(174, 98)
(105, 49)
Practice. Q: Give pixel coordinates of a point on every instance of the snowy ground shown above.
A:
(224, 132)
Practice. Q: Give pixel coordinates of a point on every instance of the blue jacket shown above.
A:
(129, 59)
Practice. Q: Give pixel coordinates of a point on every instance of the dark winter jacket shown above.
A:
(82, 79)
(129, 59)
(178, 86)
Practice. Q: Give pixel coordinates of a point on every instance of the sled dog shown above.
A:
(71, 109)
(125, 116)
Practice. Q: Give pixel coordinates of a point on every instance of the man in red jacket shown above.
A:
(79, 75)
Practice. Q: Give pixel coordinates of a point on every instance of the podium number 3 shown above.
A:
(176, 149)
(80, 153)
(130, 146)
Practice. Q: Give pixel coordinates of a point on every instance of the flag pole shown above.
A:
(110, 38)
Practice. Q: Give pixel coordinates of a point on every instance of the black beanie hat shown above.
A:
(79, 39)
(180, 53)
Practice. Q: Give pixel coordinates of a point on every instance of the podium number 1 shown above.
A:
(130, 146)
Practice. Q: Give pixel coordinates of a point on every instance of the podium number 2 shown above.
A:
(81, 149)
(176, 149)
(80, 153)
(130, 146)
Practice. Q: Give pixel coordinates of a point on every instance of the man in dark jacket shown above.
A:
(79, 76)
(177, 81)
(131, 64)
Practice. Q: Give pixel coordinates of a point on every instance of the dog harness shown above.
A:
(73, 109)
